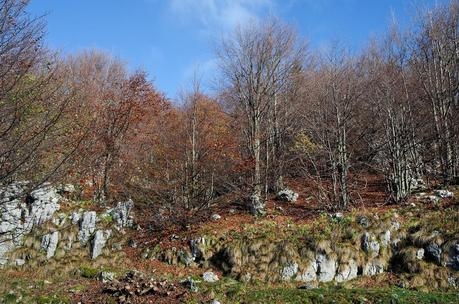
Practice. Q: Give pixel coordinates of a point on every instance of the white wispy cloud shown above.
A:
(221, 14)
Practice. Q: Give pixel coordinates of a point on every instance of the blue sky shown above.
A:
(170, 39)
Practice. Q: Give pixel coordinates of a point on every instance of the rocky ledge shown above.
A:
(34, 227)
(335, 248)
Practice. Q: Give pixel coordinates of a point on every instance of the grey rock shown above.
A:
(190, 284)
(209, 277)
(444, 193)
(347, 271)
(326, 268)
(289, 271)
(395, 225)
(215, 302)
(87, 226)
(309, 274)
(75, 217)
(106, 276)
(20, 213)
(196, 252)
(215, 217)
(338, 216)
(66, 189)
(287, 195)
(122, 214)
(433, 253)
(60, 219)
(132, 243)
(418, 184)
(370, 245)
(49, 243)
(186, 258)
(19, 262)
(363, 221)
(420, 254)
(452, 256)
(99, 241)
(385, 238)
(373, 267)
(44, 202)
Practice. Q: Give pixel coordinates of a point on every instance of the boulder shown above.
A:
(433, 253)
(99, 241)
(386, 238)
(326, 268)
(289, 271)
(347, 271)
(43, 202)
(20, 213)
(19, 262)
(75, 217)
(122, 214)
(66, 189)
(309, 274)
(209, 277)
(420, 254)
(106, 276)
(215, 217)
(373, 267)
(370, 245)
(190, 284)
(444, 193)
(49, 243)
(287, 195)
(87, 226)
(451, 250)
(363, 221)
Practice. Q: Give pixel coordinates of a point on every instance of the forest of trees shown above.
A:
(282, 110)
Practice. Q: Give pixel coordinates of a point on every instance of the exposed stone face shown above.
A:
(87, 226)
(49, 243)
(287, 195)
(326, 268)
(385, 238)
(289, 271)
(309, 274)
(370, 245)
(347, 271)
(122, 214)
(452, 255)
(433, 253)
(99, 241)
(20, 213)
(257, 206)
(373, 267)
(75, 217)
(44, 202)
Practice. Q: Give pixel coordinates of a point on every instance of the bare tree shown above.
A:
(330, 122)
(436, 61)
(393, 102)
(33, 98)
(257, 64)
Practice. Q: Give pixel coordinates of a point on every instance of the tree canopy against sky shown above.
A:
(174, 38)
